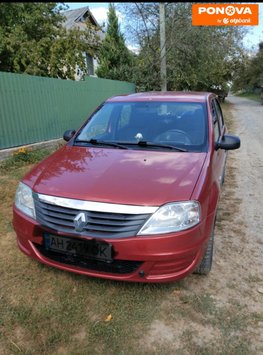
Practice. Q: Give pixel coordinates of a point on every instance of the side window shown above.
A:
(215, 122)
(219, 115)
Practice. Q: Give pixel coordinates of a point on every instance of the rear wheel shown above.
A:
(206, 264)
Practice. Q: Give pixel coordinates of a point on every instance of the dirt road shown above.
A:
(223, 312)
(248, 115)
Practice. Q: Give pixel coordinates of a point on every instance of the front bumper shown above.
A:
(159, 258)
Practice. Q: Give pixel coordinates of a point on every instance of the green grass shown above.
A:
(250, 95)
(23, 157)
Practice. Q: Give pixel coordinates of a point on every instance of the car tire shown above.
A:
(206, 264)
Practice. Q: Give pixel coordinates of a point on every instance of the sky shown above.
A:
(99, 11)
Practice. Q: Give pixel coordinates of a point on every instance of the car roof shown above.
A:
(191, 96)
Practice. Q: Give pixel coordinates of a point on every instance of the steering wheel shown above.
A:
(174, 135)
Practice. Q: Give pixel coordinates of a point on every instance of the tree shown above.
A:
(198, 57)
(33, 41)
(250, 73)
(115, 60)
(67, 52)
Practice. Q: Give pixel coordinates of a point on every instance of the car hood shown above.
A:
(136, 177)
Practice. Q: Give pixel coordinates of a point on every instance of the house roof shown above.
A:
(76, 19)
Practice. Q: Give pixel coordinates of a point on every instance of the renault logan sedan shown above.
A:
(133, 195)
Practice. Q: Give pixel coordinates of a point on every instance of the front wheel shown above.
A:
(206, 264)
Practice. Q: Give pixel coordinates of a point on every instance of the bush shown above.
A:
(24, 156)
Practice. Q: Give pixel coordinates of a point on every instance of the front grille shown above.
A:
(114, 267)
(100, 224)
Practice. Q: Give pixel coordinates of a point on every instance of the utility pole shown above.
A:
(163, 46)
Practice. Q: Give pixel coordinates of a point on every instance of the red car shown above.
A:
(133, 195)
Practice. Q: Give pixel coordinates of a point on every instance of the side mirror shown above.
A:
(228, 142)
(68, 134)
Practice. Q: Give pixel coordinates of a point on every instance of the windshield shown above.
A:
(171, 124)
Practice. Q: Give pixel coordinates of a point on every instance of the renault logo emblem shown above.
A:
(80, 221)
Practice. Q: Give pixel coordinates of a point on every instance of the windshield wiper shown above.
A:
(157, 145)
(98, 142)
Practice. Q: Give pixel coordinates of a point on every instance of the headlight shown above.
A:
(24, 200)
(172, 217)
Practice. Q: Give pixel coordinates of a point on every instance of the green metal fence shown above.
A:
(35, 109)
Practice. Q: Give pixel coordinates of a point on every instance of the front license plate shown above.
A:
(86, 248)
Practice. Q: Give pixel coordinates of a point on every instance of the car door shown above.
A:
(219, 156)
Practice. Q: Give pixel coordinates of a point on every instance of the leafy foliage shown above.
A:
(115, 60)
(33, 41)
(198, 57)
(24, 156)
(250, 73)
